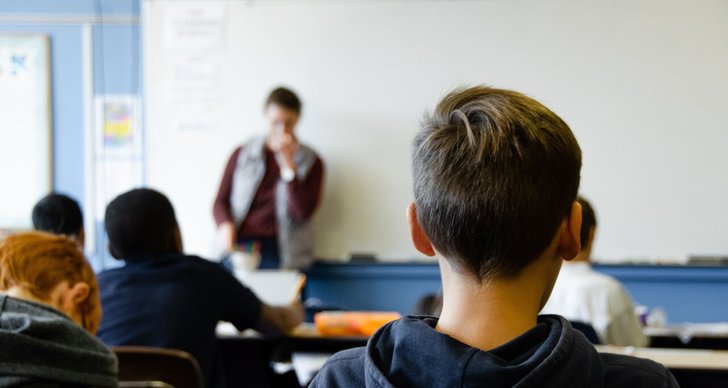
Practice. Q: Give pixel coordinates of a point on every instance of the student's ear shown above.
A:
(81, 239)
(72, 300)
(78, 293)
(419, 238)
(68, 298)
(178, 246)
(113, 253)
(570, 240)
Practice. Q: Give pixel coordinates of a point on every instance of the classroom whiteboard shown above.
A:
(25, 126)
(642, 84)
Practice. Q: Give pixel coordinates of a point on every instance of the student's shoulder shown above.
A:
(111, 273)
(345, 368)
(207, 266)
(624, 371)
(349, 357)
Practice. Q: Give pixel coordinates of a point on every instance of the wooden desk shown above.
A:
(712, 336)
(691, 367)
(247, 356)
(675, 358)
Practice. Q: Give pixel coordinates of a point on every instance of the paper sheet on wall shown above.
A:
(193, 35)
(194, 26)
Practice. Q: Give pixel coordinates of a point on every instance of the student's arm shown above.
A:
(244, 310)
(280, 319)
(304, 195)
(624, 328)
(221, 208)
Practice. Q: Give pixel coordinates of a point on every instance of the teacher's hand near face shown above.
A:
(284, 146)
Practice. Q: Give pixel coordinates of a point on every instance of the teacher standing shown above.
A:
(270, 189)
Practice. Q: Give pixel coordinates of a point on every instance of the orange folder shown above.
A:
(352, 323)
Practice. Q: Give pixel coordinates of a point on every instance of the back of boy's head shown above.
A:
(58, 214)
(588, 221)
(140, 222)
(37, 262)
(495, 174)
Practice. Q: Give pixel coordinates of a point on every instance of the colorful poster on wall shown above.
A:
(118, 130)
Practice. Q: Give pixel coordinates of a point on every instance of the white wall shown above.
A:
(642, 84)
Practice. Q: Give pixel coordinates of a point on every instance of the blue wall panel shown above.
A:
(68, 109)
(383, 287)
(117, 71)
(687, 294)
(70, 7)
(116, 55)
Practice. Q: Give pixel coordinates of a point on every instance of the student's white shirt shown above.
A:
(582, 294)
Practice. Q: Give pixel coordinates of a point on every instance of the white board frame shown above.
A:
(642, 85)
(38, 45)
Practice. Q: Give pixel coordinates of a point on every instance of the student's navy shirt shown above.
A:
(174, 301)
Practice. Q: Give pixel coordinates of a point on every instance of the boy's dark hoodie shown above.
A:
(410, 353)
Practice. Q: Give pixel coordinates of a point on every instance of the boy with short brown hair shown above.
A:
(496, 178)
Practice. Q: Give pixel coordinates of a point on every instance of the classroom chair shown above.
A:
(155, 367)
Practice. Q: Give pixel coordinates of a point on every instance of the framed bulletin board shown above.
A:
(25, 126)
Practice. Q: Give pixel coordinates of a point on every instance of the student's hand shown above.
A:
(229, 235)
(283, 318)
(297, 313)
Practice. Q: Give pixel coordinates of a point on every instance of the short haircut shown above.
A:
(37, 262)
(285, 98)
(588, 220)
(140, 222)
(58, 214)
(495, 174)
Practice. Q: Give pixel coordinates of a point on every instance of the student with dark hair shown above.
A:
(59, 214)
(496, 176)
(49, 312)
(163, 298)
(270, 189)
(584, 295)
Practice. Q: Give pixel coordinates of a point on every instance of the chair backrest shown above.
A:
(155, 367)
(587, 330)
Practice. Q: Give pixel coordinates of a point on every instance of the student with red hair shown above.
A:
(49, 312)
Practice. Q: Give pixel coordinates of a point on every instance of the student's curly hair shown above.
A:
(37, 262)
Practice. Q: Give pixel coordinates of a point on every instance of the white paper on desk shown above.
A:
(272, 286)
(307, 365)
